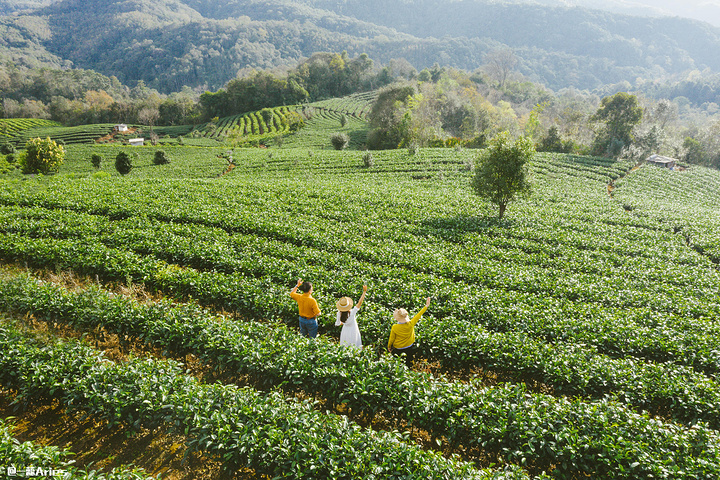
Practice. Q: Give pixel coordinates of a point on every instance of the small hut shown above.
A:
(660, 161)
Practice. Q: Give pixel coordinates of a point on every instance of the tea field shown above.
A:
(578, 338)
(271, 126)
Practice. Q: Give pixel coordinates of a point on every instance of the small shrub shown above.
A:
(343, 120)
(7, 149)
(267, 115)
(161, 158)
(453, 142)
(339, 140)
(42, 156)
(96, 160)
(10, 158)
(478, 142)
(413, 149)
(293, 120)
(368, 160)
(123, 164)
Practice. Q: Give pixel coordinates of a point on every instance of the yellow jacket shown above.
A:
(403, 334)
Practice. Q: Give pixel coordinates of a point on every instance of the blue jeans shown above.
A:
(308, 327)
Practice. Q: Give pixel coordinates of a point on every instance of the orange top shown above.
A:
(307, 305)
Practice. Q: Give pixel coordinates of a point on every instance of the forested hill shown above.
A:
(624, 39)
(11, 6)
(172, 43)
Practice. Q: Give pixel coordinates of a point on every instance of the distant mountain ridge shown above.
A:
(705, 10)
(171, 43)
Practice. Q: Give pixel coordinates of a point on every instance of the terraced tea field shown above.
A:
(321, 120)
(576, 339)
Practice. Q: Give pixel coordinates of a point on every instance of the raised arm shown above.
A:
(418, 315)
(362, 297)
(299, 282)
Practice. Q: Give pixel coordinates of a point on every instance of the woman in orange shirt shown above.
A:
(402, 334)
(308, 309)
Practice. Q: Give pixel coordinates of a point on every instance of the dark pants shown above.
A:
(409, 353)
(308, 327)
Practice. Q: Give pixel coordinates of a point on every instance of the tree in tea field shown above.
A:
(267, 115)
(694, 151)
(552, 142)
(617, 116)
(388, 118)
(7, 149)
(123, 163)
(293, 120)
(339, 140)
(42, 156)
(161, 158)
(96, 160)
(501, 173)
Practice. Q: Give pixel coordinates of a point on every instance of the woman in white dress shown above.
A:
(347, 317)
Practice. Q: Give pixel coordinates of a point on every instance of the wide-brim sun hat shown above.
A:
(401, 315)
(345, 304)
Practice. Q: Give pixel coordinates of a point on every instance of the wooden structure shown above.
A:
(660, 161)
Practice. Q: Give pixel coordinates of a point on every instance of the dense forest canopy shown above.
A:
(169, 44)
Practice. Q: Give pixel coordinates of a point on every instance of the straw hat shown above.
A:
(345, 304)
(401, 315)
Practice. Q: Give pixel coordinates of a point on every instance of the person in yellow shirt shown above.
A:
(307, 308)
(402, 334)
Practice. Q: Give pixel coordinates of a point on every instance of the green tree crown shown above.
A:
(501, 173)
(123, 163)
(619, 113)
